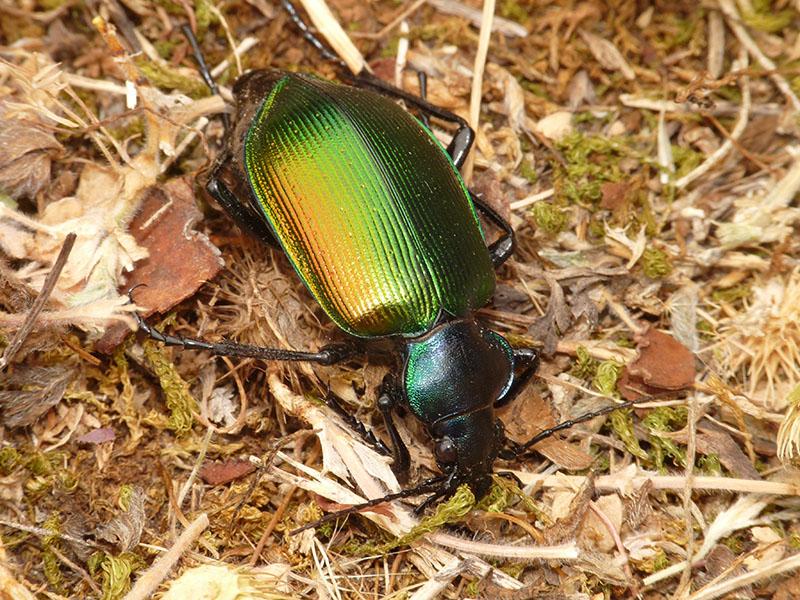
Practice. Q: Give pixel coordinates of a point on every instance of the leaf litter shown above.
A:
(649, 162)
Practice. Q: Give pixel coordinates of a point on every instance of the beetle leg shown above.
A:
(366, 434)
(422, 77)
(325, 52)
(240, 213)
(386, 404)
(503, 247)
(203, 67)
(328, 355)
(527, 358)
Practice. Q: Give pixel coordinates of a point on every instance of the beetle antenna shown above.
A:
(205, 73)
(587, 417)
(426, 487)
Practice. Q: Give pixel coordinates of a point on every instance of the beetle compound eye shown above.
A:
(445, 451)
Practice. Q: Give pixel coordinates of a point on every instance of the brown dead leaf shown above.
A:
(788, 589)
(33, 391)
(663, 364)
(25, 155)
(220, 473)
(607, 54)
(595, 531)
(530, 415)
(555, 321)
(181, 259)
(711, 439)
(614, 195)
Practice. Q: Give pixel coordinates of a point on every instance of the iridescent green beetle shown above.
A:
(373, 214)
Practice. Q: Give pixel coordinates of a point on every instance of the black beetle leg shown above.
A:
(503, 247)
(424, 117)
(240, 213)
(520, 449)
(328, 355)
(366, 434)
(527, 358)
(447, 488)
(325, 52)
(204, 70)
(387, 401)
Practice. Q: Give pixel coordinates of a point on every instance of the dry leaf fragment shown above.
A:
(595, 530)
(125, 531)
(712, 439)
(220, 473)
(556, 320)
(555, 126)
(180, 261)
(38, 390)
(25, 155)
(663, 362)
(614, 194)
(529, 416)
(607, 54)
(98, 436)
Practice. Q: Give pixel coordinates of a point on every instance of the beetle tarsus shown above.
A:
(353, 423)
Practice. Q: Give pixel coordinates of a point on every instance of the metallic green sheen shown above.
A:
(449, 368)
(369, 208)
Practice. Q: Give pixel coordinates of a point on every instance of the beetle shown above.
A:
(373, 215)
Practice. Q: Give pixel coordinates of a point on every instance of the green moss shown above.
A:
(50, 545)
(515, 11)
(605, 381)
(179, 400)
(451, 511)
(735, 542)
(391, 48)
(124, 501)
(584, 366)
(709, 465)
(666, 419)
(117, 573)
(769, 21)
(204, 16)
(69, 483)
(528, 172)
(591, 161)
(655, 263)
(686, 160)
(10, 459)
(549, 218)
(622, 424)
(165, 47)
(661, 561)
(164, 78)
(733, 294)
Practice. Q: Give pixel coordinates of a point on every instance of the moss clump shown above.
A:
(622, 423)
(550, 218)
(584, 366)
(655, 264)
(605, 380)
(179, 400)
